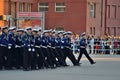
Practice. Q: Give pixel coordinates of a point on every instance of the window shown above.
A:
(21, 7)
(108, 11)
(13, 8)
(92, 10)
(108, 30)
(90, 30)
(118, 16)
(29, 7)
(60, 7)
(94, 30)
(43, 7)
(114, 31)
(114, 11)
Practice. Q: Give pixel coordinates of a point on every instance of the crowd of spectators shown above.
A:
(107, 44)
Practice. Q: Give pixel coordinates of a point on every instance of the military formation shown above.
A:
(32, 49)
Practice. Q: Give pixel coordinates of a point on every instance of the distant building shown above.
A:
(112, 14)
(1, 12)
(10, 9)
(96, 17)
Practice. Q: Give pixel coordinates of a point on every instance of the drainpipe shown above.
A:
(9, 7)
(105, 23)
(101, 11)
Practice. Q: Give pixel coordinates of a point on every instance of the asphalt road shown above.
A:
(106, 68)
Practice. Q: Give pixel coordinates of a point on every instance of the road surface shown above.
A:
(106, 68)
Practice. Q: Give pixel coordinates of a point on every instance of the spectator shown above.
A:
(115, 45)
(92, 41)
(102, 45)
(107, 46)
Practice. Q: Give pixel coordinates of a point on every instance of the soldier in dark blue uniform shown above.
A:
(45, 49)
(41, 62)
(0, 50)
(83, 50)
(11, 60)
(3, 47)
(28, 40)
(51, 48)
(66, 43)
(59, 46)
(19, 48)
(54, 45)
(36, 44)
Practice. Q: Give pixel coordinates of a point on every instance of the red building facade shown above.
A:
(71, 14)
(12, 7)
(96, 17)
(113, 17)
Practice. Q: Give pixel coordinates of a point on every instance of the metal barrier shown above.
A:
(102, 48)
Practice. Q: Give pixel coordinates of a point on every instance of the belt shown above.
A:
(29, 45)
(48, 46)
(82, 47)
(53, 47)
(10, 44)
(17, 46)
(37, 46)
(57, 46)
(43, 46)
(68, 47)
(3, 45)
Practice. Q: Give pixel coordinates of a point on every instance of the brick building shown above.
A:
(112, 23)
(95, 17)
(10, 8)
(106, 17)
(2, 11)
(66, 14)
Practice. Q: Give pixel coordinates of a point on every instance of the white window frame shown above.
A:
(43, 7)
(21, 7)
(92, 11)
(59, 7)
(29, 7)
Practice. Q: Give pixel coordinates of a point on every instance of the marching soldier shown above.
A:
(19, 48)
(51, 48)
(11, 60)
(66, 43)
(83, 49)
(0, 50)
(3, 47)
(61, 62)
(28, 42)
(59, 48)
(45, 49)
(41, 62)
